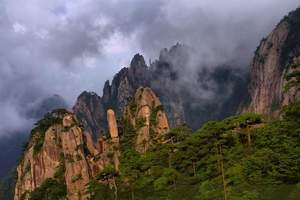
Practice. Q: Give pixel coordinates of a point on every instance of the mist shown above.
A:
(65, 47)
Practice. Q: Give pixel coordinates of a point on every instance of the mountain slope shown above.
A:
(240, 158)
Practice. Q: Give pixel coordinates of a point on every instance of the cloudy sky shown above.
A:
(67, 46)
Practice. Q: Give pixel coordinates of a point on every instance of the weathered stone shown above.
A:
(149, 119)
(66, 144)
(112, 124)
(34, 169)
(90, 112)
(269, 66)
(68, 121)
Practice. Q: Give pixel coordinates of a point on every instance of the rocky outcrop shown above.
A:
(271, 63)
(112, 124)
(66, 152)
(125, 83)
(90, 109)
(185, 99)
(61, 149)
(91, 113)
(113, 130)
(147, 116)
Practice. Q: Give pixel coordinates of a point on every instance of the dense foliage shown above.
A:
(50, 189)
(241, 157)
(293, 78)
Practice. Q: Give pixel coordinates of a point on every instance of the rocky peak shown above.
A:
(166, 78)
(106, 92)
(61, 152)
(147, 116)
(177, 56)
(165, 53)
(126, 82)
(271, 62)
(137, 61)
(90, 111)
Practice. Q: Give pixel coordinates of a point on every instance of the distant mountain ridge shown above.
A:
(184, 102)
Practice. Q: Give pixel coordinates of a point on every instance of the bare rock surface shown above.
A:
(148, 118)
(64, 144)
(271, 63)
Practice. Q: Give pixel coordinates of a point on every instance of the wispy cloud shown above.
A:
(63, 47)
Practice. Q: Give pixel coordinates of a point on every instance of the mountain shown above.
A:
(146, 115)
(237, 158)
(61, 156)
(90, 109)
(91, 113)
(213, 92)
(272, 61)
(132, 142)
(195, 93)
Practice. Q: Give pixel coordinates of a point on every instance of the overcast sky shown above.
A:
(67, 46)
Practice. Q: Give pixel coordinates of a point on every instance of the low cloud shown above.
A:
(64, 47)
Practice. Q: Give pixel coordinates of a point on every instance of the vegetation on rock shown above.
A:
(293, 78)
(50, 189)
(216, 162)
(37, 135)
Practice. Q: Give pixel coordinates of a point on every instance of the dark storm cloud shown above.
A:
(63, 47)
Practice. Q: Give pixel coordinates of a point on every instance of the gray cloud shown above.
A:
(64, 47)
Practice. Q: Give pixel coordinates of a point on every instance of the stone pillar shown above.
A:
(113, 131)
(112, 124)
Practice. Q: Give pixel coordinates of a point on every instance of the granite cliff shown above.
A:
(272, 62)
(60, 151)
(146, 114)
(63, 154)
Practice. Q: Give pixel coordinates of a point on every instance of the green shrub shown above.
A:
(38, 133)
(50, 189)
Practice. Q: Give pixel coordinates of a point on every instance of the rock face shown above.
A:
(147, 116)
(64, 144)
(113, 130)
(91, 113)
(125, 83)
(112, 124)
(61, 149)
(90, 109)
(271, 63)
(185, 101)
